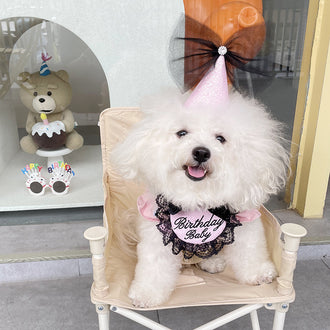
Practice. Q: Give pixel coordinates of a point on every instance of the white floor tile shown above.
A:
(39, 270)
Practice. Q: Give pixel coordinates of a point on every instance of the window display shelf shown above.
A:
(85, 187)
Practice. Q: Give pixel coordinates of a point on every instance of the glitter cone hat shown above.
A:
(202, 62)
(212, 90)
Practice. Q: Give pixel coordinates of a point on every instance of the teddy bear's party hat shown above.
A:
(44, 70)
(201, 61)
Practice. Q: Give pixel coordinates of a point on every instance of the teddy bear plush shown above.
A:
(47, 94)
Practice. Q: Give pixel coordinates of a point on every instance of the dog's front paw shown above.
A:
(263, 273)
(144, 295)
(215, 264)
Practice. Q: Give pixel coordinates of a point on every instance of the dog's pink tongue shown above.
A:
(196, 171)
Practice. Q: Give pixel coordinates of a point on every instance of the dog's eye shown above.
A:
(181, 133)
(49, 93)
(221, 138)
(35, 93)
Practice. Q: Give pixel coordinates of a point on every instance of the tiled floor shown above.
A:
(318, 230)
(65, 304)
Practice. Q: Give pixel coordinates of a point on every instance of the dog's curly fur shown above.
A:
(245, 167)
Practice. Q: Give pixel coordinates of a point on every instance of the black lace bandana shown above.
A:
(203, 250)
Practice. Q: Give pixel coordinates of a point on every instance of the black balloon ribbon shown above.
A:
(194, 51)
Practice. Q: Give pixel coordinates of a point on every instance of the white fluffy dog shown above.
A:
(200, 159)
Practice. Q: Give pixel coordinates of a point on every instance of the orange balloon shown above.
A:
(226, 17)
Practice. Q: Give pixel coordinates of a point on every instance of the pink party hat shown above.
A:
(212, 90)
(44, 70)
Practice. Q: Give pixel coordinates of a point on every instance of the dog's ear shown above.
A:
(270, 155)
(263, 152)
(122, 159)
(273, 166)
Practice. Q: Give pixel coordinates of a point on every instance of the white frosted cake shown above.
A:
(49, 136)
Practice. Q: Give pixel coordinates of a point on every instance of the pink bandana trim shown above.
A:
(248, 215)
(147, 208)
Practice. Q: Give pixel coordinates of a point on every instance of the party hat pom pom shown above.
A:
(45, 57)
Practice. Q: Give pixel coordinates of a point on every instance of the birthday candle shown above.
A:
(43, 116)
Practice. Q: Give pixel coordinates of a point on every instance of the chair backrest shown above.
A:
(120, 195)
(118, 192)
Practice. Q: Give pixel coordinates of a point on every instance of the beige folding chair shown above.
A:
(113, 270)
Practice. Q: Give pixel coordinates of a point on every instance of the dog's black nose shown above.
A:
(201, 154)
(42, 100)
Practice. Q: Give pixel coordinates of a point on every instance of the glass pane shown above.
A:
(279, 59)
(22, 42)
